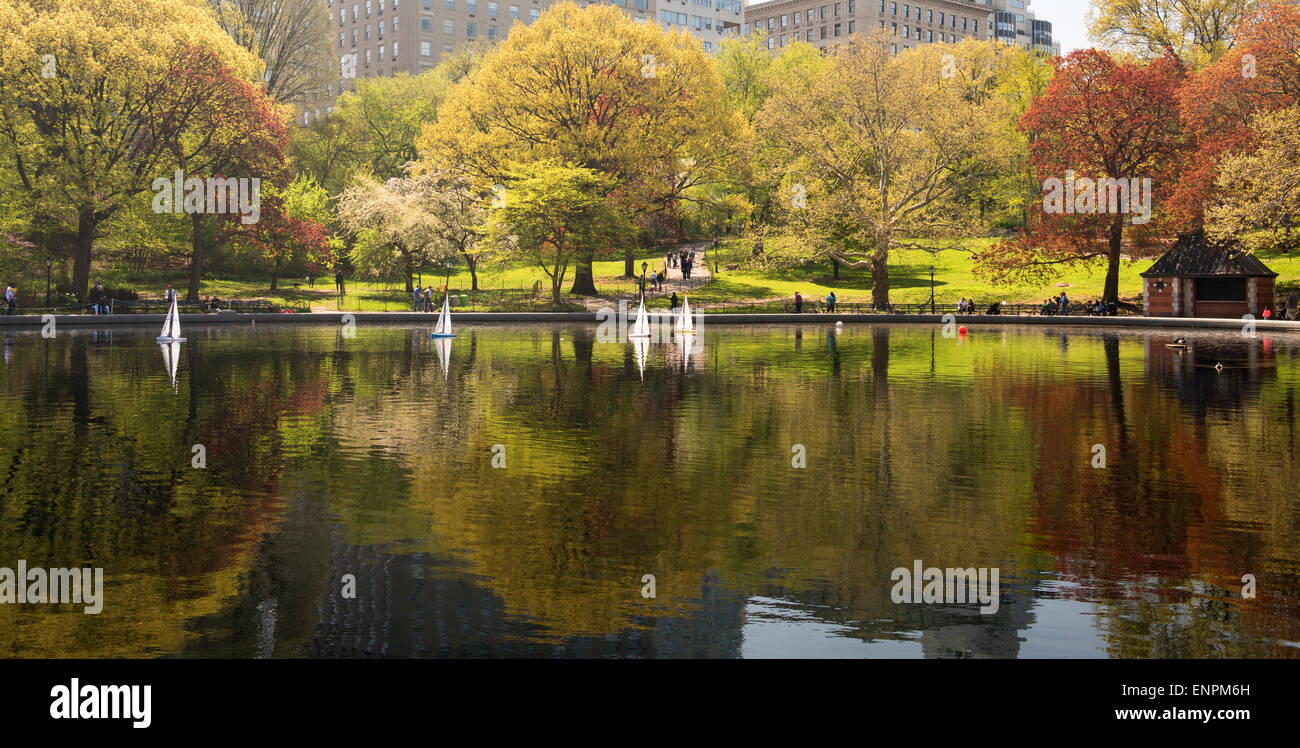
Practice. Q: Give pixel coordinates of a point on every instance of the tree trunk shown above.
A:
(473, 270)
(1111, 293)
(410, 273)
(835, 268)
(196, 256)
(629, 264)
(81, 255)
(584, 284)
(880, 274)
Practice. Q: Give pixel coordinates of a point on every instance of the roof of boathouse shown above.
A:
(1197, 256)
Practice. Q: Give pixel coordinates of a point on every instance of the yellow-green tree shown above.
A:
(593, 88)
(80, 121)
(1260, 190)
(875, 148)
(1199, 31)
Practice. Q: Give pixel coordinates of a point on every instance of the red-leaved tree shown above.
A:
(1261, 74)
(1101, 118)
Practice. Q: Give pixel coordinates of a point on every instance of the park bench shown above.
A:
(152, 306)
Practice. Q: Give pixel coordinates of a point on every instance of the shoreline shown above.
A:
(91, 321)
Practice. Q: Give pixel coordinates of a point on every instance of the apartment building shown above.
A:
(828, 22)
(386, 37)
(708, 20)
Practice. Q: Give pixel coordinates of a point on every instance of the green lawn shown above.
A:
(511, 287)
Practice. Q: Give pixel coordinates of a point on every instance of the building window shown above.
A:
(514, 12)
(448, 26)
(471, 30)
(426, 49)
(471, 6)
(492, 10)
(426, 23)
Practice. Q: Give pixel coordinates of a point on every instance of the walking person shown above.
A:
(798, 303)
(338, 284)
(672, 303)
(1064, 304)
(11, 296)
(830, 303)
(169, 296)
(428, 299)
(1292, 302)
(417, 298)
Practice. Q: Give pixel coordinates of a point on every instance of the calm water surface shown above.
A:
(373, 457)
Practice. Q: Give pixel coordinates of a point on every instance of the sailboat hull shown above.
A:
(442, 335)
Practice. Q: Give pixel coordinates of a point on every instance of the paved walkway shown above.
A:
(700, 277)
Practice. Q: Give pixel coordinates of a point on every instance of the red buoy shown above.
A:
(961, 330)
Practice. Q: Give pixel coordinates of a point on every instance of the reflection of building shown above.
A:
(1198, 277)
(413, 605)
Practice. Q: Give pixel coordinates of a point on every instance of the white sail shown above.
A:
(641, 327)
(171, 331)
(443, 328)
(684, 321)
(176, 319)
(166, 333)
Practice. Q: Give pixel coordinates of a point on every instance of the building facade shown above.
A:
(828, 22)
(385, 37)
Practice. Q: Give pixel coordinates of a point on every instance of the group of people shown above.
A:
(422, 299)
(798, 303)
(1055, 305)
(683, 258)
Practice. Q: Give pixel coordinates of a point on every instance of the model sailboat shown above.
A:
(171, 330)
(684, 321)
(641, 327)
(443, 328)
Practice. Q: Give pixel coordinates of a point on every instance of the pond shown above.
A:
(536, 491)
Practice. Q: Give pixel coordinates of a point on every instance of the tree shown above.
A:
(554, 214)
(1107, 145)
(291, 229)
(1220, 103)
(393, 223)
(82, 122)
(1260, 189)
(293, 38)
(234, 134)
(460, 214)
(874, 148)
(592, 88)
(1198, 31)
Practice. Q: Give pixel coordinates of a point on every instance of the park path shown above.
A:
(700, 277)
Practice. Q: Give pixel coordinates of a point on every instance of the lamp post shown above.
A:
(644, 267)
(932, 289)
(49, 266)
